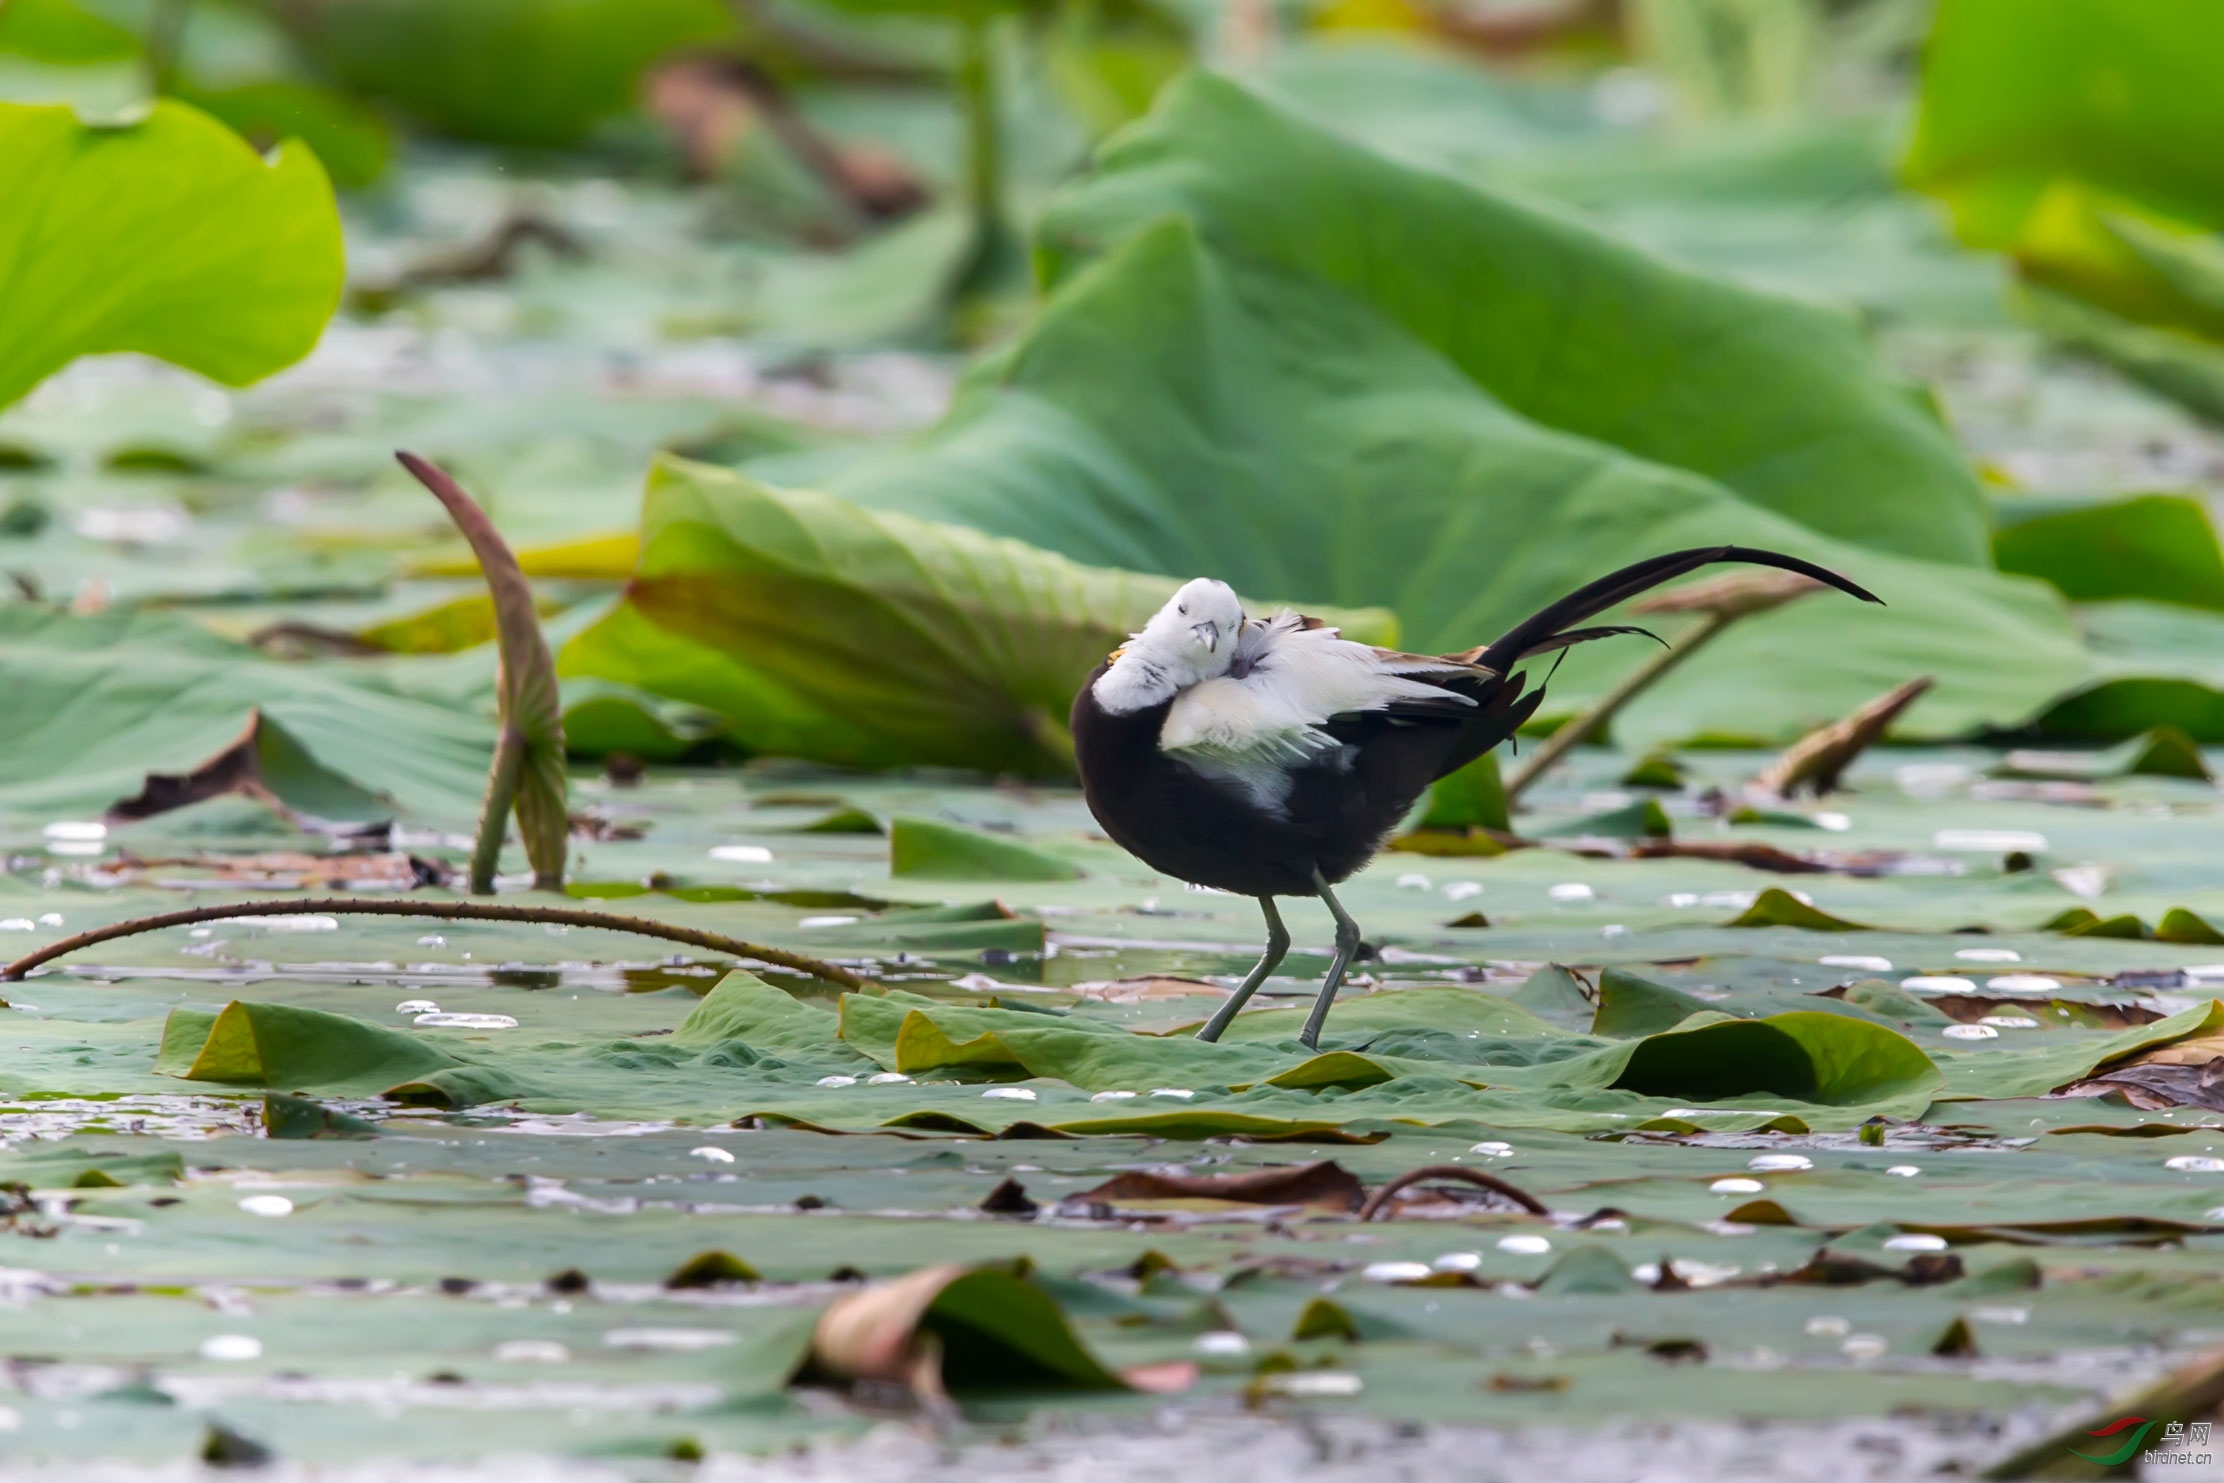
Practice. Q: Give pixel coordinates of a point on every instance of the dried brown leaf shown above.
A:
(1326, 1185)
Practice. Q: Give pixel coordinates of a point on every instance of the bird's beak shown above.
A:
(1208, 634)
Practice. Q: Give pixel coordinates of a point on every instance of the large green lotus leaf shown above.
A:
(98, 703)
(539, 72)
(169, 236)
(744, 1007)
(1167, 412)
(296, 1049)
(1565, 326)
(823, 630)
(63, 33)
(350, 140)
(2155, 547)
(2180, 365)
(1822, 1060)
(2161, 667)
(1814, 1057)
(1811, 207)
(2122, 259)
(2117, 94)
(1431, 105)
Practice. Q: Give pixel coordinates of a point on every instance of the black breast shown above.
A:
(1197, 828)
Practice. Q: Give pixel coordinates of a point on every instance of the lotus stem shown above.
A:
(451, 911)
(1817, 759)
(1581, 727)
(166, 43)
(1379, 1201)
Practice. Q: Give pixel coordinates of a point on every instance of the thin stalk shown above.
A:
(989, 254)
(1634, 684)
(1379, 1201)
(494, 813)
(449, 911)
(984, 138)
(166, 43)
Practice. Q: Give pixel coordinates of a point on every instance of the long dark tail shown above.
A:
(1533, 633)
(1547, 629)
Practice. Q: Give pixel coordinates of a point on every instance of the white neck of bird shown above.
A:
(1139, 680)
(1192, 638)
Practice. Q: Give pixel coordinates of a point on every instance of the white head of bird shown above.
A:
(1188, 641)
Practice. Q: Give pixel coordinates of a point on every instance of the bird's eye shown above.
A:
(1182, 608)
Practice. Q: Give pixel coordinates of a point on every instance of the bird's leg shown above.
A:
(1347, 944)
(1277, 943)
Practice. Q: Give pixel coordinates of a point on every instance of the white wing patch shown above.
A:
(1255, 726)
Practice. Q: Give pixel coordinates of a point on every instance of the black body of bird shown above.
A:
(1271, 757)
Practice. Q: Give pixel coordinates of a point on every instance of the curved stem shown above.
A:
(494, 811)
(1380, 1199)
(451, 911)
(1580, 727)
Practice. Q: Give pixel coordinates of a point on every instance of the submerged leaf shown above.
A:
(1588, 1270)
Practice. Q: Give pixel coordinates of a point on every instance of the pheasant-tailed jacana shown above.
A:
(1271, 757)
